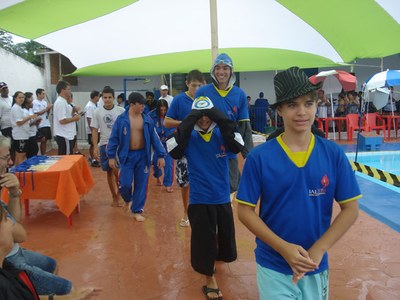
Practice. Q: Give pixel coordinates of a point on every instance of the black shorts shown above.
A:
(44, 132)
(213, 236)
(20, 146)
(90, 138)
(7, 132)
(32, 148)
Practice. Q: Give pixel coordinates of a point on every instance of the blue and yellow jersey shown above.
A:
(296, 192)
(208, 168)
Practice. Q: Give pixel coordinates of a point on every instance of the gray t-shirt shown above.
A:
(104, 120)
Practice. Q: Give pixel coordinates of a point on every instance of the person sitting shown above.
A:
(39, 269)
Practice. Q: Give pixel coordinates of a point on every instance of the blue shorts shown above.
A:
(104, 158)
(40, 270)
(275, 285)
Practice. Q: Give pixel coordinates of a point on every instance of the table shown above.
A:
(326, 125)
(390, 119)
(65, 181)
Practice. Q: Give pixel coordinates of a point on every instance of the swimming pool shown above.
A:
(388, 161)
(380, 200)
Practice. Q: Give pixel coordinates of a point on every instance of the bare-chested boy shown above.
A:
(131, 139)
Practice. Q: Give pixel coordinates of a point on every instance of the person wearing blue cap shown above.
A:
(205, 136)
(295, 178)
(232, 101)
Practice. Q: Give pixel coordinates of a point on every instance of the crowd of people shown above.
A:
(203, 130)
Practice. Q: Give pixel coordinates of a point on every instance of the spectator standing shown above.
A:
(32, 147)
(42, 108)
(90, 107)
(64, 121)
(164, 94)
(20, 119)
(6, 103)
(261, 107)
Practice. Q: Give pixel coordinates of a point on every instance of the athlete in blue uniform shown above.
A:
(210, 212)
(180, 107)
(232, 101)
(296, 176)
(158, 117)
(132, 137)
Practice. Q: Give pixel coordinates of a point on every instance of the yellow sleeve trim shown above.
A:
(245, 203)
(351, 199)
(170, 118)
(244, 120)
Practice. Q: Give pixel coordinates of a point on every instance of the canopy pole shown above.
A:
(214, 30)
(170, 83)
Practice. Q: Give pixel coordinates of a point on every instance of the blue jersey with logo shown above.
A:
(180, 107)
(234, 104)
(208, 169)
(296, 202)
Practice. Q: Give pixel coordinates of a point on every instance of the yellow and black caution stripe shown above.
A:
(259, 133)
(376, 173)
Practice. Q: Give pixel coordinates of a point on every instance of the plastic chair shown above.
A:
(352, 124)
(374, 121)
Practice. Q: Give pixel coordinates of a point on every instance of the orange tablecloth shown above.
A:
(65, 182)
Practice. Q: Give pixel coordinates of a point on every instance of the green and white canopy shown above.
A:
(149, 37)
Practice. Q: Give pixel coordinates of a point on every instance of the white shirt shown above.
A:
(39, 105)
(104, 120)
(89, 110)
(62, 110)
(18, 114)
(32, 128)
(5, 110)
(167, 98)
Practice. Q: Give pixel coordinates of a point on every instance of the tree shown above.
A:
(6, 41)
(28, 51)
(25, 50)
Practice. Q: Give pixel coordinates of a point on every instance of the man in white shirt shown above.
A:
(164, 94)
(42, 109)
(64, 121)
(90, 107)
(5, 109)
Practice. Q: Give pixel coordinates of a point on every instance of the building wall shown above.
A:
(19, 74)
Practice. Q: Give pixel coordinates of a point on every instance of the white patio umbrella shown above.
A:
(384, 79)
(150, 37)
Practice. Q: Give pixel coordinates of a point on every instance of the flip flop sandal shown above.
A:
(206, 290)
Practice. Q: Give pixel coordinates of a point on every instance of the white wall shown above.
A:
(19, 74)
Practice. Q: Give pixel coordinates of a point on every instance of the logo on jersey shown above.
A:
(321, 190)
(222, 152)
(202, 102)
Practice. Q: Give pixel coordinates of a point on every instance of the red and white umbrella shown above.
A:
(333, 82)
